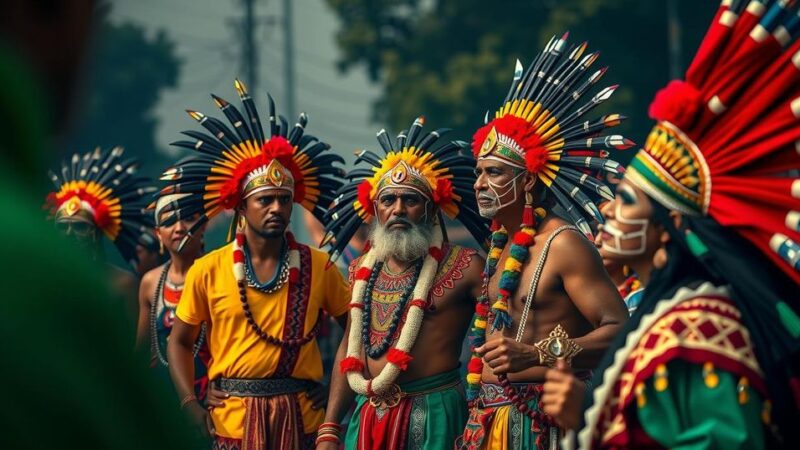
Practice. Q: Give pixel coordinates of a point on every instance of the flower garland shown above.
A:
(239, 273)
(509, 280)
(398, 356)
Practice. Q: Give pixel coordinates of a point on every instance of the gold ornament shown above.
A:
(556, 346)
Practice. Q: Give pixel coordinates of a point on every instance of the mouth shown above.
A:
(398, 226)
(482, 201)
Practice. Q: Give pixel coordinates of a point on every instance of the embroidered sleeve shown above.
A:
(451, 269)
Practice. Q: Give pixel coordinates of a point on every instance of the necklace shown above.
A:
(398, 357)
(377, 351)
(277, 282)
(293, 274)
(159, 296)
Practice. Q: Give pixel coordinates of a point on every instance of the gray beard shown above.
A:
(405, 245)
(490, 211)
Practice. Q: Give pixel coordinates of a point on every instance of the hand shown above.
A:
(318, 396)
(201, 419)
(563, 396)
(505, 355)
(215, 398)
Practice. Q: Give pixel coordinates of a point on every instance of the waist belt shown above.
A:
(263, 387)
(493, 395)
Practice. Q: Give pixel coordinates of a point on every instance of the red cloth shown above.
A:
(387, 431)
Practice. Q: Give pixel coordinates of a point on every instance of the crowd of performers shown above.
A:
(658, 312)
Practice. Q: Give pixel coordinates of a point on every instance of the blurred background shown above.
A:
(356, 66)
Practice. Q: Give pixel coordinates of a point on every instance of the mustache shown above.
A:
(486, 196)
(400, 220)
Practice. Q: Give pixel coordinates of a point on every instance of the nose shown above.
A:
(607, 209)
(399, 208)
(480, 183)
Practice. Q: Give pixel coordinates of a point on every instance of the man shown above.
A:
(610, 241)
(553, 299)
(412, 296)
(100, 195)
(263, 295)
(710, 359)
(161, 288)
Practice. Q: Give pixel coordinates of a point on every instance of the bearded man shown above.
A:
(412, 296)
(553, 299)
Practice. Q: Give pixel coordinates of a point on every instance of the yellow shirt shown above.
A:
(211, 295)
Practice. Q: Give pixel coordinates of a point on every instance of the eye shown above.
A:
(627, 197)
(478, 172)
(411, 200)
(284, 199)
(387, 200)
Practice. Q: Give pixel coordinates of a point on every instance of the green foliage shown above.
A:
(128, 71)
(452, 60)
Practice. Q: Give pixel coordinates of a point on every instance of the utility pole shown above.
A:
(249, 54)
(288, 55)
(674, 40)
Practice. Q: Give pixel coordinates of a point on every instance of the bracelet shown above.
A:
(329, 432)
(329, 426)
(188, 399)
(328, 438)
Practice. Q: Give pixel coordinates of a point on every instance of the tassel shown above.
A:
(527, 214)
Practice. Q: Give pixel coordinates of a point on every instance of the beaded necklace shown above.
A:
(509, 281)
(159, 296)
(377, 351)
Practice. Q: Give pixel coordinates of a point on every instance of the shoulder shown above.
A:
(459, 265)
(150, 279)
(699, 330)
(212, 260)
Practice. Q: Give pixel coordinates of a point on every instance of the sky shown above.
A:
(208, 40)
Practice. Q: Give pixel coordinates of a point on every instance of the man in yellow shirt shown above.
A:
(262, 295)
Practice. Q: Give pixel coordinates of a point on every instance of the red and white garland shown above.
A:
(399, 356)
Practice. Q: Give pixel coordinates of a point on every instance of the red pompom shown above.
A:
(521, 132)
(475, 365)
(481, 309)
(102, 217)
(523, 239)
(436, 253)
(351, 364)
(364, 191)
(677, 103)
(399, 358)
(240, 239)
(443, 193)
(363, 273)
(238, 257)
(495, 226)
(276, 148)
(294, 275)
(503, 293)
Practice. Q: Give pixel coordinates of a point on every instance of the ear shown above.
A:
(529, 181)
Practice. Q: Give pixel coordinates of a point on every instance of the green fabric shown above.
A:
(661, 186)
(788, 318)
(690, 415)
(70, 377)
(436, 418)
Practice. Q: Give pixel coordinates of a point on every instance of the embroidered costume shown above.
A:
(707, 359)
(537, 130)
(387, 310)
(261, 336)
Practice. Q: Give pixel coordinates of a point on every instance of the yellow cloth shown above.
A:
(211, 295)
(497, 437)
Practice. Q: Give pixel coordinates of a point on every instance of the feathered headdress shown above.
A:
(727, 141)
(537, 129)
(441, 172)
(234, 164)
(100, 189)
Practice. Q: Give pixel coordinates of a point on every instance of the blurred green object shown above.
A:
(70, 377)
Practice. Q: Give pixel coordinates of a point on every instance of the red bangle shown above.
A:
(328, 438)
(333, 425)
(188, 399)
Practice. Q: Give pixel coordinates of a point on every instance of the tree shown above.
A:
(452, 60)
(129, 70)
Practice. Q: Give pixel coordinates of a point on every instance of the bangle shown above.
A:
(329, 426)
(328, 438)
(188, 399)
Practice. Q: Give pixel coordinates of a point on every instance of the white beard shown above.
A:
(403, 244)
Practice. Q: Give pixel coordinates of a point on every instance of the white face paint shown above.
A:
(619, 236)
(497, 192)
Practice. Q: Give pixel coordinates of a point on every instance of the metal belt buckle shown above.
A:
(388, 399)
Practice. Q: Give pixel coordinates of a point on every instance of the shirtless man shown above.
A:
(535, 310)
(403, 367)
